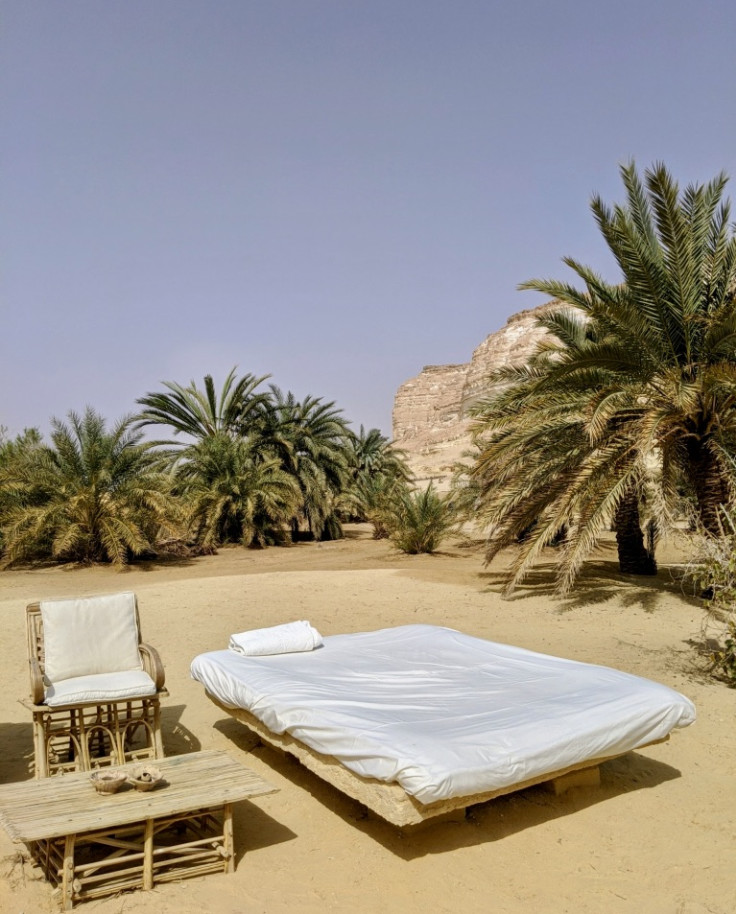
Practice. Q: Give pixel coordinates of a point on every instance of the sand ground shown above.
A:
(658, 836)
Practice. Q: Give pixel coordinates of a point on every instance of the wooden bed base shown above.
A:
(389, 800)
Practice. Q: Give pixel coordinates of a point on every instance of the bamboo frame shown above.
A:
(89, 845)
(80, 737)
(138, 856)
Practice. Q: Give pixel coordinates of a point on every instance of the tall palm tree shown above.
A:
(536, 472)
(378, 471)
(93, 495)
(654, 382)
(307, 438)
(311, 438)
(372, 454)
(199, 414)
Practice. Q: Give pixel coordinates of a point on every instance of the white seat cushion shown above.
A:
(90, 635)
(100, 687)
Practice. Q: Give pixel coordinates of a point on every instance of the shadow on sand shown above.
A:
(16, 739)
(484, 823)
(177, 739)
(16, 760)
(252, 827)
(598, 582)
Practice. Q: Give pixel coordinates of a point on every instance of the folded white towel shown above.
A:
(278, 639)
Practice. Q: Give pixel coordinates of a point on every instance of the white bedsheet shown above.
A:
(443, 713)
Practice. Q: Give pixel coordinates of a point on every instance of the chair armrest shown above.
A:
(152, 665)
(38, 689)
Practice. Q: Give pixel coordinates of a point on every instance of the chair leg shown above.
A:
(74, 746)
(112, 728)
(84, 760)
(97, 743)
(40, 748)
(158, 743)
(89, 728)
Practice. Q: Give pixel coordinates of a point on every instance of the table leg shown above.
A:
(227, 837)
(67, 878)
(148, 855)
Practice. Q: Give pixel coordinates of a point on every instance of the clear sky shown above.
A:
(333, 192)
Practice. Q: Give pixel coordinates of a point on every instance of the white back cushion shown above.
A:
(90, 635)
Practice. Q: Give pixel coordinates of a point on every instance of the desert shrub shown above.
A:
(377, 498)
(713, 573)
(418, 521)
(724, 660)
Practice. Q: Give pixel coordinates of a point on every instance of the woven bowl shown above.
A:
(145, 777)
(107, 780)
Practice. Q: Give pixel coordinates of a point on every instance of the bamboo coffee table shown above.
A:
(90, 844)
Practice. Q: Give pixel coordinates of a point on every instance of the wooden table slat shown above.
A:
(67, 804)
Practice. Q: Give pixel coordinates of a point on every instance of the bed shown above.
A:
(419, 720)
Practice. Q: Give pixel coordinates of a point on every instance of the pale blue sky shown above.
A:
(335, 192)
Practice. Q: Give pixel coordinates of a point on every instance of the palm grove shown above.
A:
(245, 464)
(625, 417)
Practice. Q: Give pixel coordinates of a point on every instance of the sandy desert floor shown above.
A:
(657, 837)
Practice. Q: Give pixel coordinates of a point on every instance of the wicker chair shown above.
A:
(95, 688)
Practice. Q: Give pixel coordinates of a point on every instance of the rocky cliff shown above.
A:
(430, 415)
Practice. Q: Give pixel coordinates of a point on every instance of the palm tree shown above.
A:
(307, 438)
(372, 454)
(199, 414)
(93, 495)
(536, 472)
(311, 439)
(236, 495)
(14, 453)
(376, 499)
(376, 468)
(653, 382)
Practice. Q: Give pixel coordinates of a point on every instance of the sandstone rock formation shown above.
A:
(430, 415)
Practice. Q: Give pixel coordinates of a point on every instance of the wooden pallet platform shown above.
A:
(390, 801)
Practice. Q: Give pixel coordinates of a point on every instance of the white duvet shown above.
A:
(443, 713)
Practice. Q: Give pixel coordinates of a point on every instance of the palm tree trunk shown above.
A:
(711, 489)
(633, 556)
